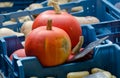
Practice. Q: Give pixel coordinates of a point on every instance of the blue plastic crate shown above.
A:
(13, 40)
(90, 8)
(111, 4)
(2, 18)
(11, 43)
(14, 15)
(105, 57)
(17, 5)
(114, 1)
(111, 29)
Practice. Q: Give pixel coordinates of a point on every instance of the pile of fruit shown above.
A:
(51, 38)
(95, 73)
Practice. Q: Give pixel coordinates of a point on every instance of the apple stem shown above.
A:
(76, 49)
(49, 24)
(54, 3)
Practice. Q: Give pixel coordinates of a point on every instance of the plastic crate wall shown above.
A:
(15, 15)
(105, 57)
(112, 4)
(7, 45)
(111, 29)
(1, 57)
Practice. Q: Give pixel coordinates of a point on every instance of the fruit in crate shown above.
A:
(95, 73)
(34, 6)
(20, 53)
(6, 4)
(62, 20)
(26, 27)
(76, 9)
(8, 22)
(9, 32)
(78, 74)
(23, 18)
(87, 20)
(51, 45)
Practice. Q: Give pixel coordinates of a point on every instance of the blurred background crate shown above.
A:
(114, 5)
(89, 8)
(7, 6)
(111, 29)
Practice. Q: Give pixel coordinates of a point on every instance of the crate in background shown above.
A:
(111, 29)
(90, 8)
(114, 2)
(15, 5)
(115, 6)
(16, 25)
